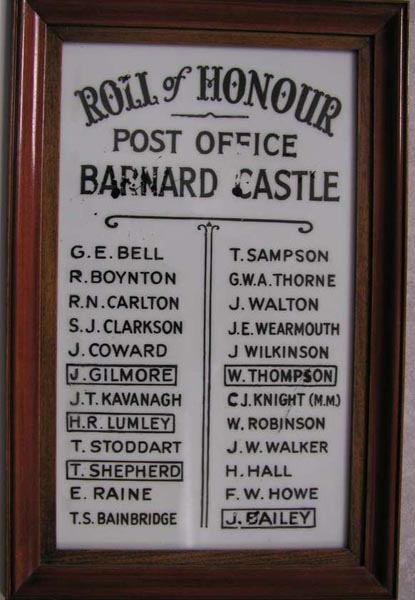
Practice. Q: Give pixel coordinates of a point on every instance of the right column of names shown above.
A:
(282, 396)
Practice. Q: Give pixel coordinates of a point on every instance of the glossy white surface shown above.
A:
(246, 271)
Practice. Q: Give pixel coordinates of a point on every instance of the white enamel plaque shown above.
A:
(205, 297)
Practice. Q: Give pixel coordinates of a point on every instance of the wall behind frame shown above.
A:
(407, 545)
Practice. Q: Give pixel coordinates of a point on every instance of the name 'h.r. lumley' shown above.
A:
(214, 84)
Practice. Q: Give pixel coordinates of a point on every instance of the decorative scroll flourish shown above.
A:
(112, 221)
(208, 229)
(209, 114)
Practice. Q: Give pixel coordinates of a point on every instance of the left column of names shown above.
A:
(121, 422)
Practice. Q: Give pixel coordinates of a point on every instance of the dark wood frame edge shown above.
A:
(26, 578)
(22, 345)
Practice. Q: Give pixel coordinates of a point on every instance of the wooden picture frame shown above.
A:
(367, 567)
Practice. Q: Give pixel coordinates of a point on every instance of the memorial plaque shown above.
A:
(205, 306)
(207, 209)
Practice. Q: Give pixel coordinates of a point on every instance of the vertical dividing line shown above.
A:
(209, 365)
(203, 493)
(207, 360)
